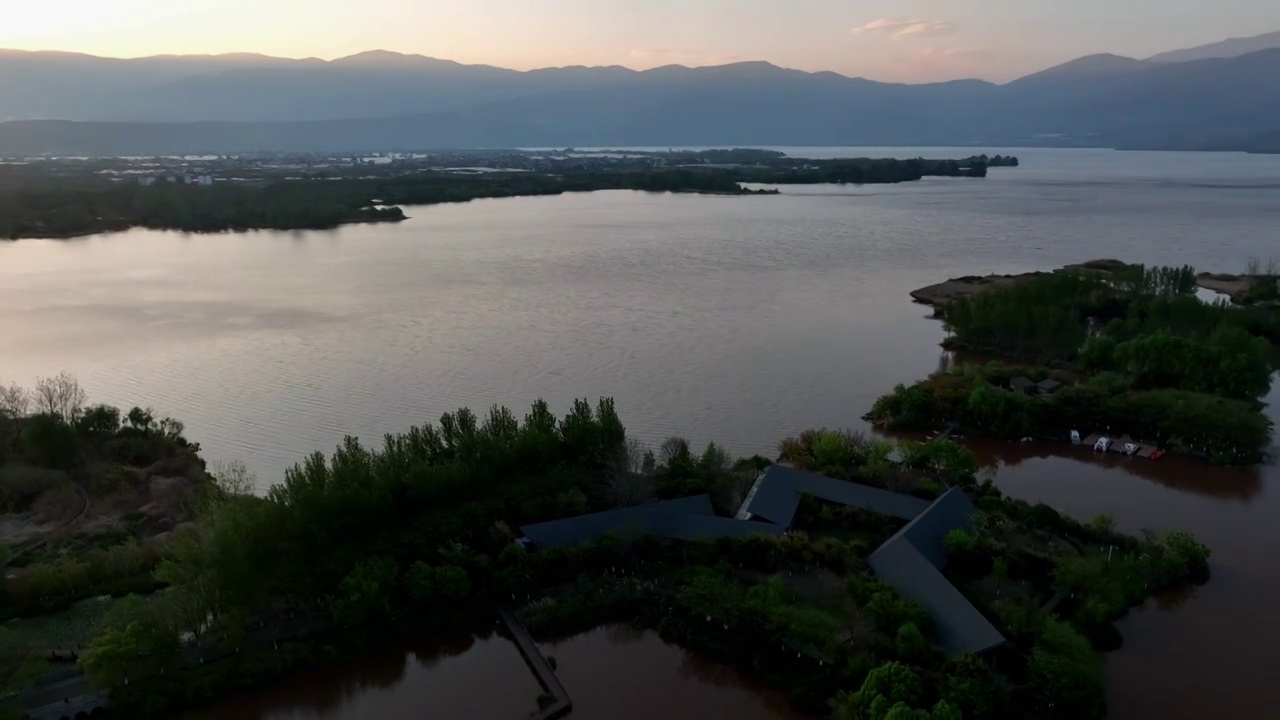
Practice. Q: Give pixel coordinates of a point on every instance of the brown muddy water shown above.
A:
(738, 320)
(612, 673)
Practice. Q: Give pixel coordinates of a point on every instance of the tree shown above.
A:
(233, 478)
(675, 455)
(1103, 523)
(364, 595)
(140, 419)
(99, 421)
(428, 584)
(15, 401)
(194, 595)
(974, 689)
(49, 441)
(912, 645)
(882, 690)
(60, 396)
(628, 482)
(1064, 675)
(135, 631)
(171, 429)
(944, 710)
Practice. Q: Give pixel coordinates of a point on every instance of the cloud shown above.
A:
(899, 29)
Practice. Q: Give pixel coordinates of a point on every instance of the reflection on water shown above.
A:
(620, 673)
(1178, 473)
(612, 673)
(457, 677)
(1183, 650)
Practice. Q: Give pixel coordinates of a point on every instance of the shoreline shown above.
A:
(939, 295)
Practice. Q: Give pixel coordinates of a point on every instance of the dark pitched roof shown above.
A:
(709, 527)
(775, 498)
(912, 561)
(929, 529)
(690, 518)
(1048, 385)
(958, 625)
(1020, 383)
(778, 495)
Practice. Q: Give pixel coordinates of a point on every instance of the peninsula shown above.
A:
(42, 198)
(1124, 353)
(860, 576)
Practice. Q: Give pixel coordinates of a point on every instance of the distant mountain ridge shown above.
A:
(1231, 47)
(381, 100)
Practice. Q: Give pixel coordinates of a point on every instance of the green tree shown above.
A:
(99, 421)
(960, 542)
(49, 441)
(137, 633)
(974, 689)
(1064, 675)
(912, 646)
(882, 689)
(364, 595)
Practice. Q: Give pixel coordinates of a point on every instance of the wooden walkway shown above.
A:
(546, 676)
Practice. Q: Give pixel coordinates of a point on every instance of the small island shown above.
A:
(1124, 355)
(863, 577)
(64, 199)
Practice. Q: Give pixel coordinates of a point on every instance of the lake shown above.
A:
(611, 673)
(734, 319)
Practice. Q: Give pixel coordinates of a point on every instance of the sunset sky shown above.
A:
(905, 40)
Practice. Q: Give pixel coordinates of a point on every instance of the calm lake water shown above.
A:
(739, 320)
(612, 673)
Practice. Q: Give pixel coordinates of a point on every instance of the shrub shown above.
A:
(49, 441)
(960, 541)
(20, 485)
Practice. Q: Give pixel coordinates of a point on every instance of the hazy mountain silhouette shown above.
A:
(384, 100)
(1233, 47)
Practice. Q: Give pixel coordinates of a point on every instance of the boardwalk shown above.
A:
(541, 669)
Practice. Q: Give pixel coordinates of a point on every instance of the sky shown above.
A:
(893, 40)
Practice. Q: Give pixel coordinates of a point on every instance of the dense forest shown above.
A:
(417, 535)
(1138, 353)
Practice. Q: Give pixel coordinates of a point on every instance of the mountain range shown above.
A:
(1220, 96)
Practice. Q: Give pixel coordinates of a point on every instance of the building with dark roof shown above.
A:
(1048, 386)
(776, 496)
(690, 518)
(1022, 385)
(912, 561)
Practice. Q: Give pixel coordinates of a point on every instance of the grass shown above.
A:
(74, 626)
